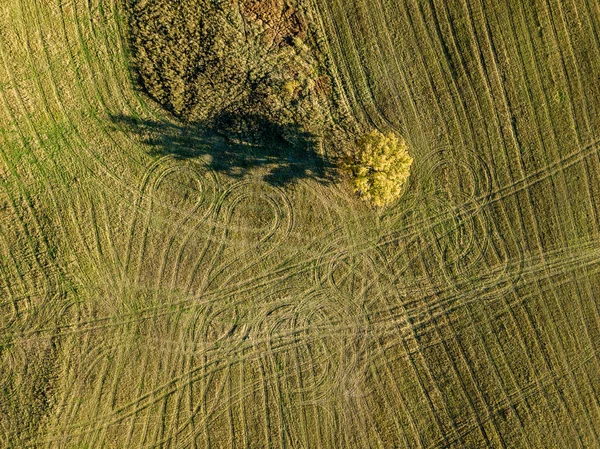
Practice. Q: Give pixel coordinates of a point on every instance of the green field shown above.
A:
(162, 288)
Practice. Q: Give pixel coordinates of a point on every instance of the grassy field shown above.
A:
(162, 288)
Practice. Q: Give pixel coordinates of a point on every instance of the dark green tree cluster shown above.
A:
(220, 63)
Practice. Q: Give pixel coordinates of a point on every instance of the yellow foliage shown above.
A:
(381, 167)
(290, 87)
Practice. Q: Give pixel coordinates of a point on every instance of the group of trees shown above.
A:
(245, 68)
(206, 60)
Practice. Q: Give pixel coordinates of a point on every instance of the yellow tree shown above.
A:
(380, 167)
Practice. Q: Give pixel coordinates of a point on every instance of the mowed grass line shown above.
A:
(555, 295)
(595, 155)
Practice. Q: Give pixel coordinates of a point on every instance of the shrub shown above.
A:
(380, 167)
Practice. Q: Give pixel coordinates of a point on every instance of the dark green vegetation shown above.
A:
(159, 289)
(230, 65)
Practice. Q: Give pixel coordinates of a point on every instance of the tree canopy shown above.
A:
(230, 65)
(380, 167)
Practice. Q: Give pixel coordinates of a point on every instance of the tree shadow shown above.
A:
(286, 153)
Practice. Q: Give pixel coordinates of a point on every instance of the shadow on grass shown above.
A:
(285, 152)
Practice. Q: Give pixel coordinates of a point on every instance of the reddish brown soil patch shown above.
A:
(282, 21)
